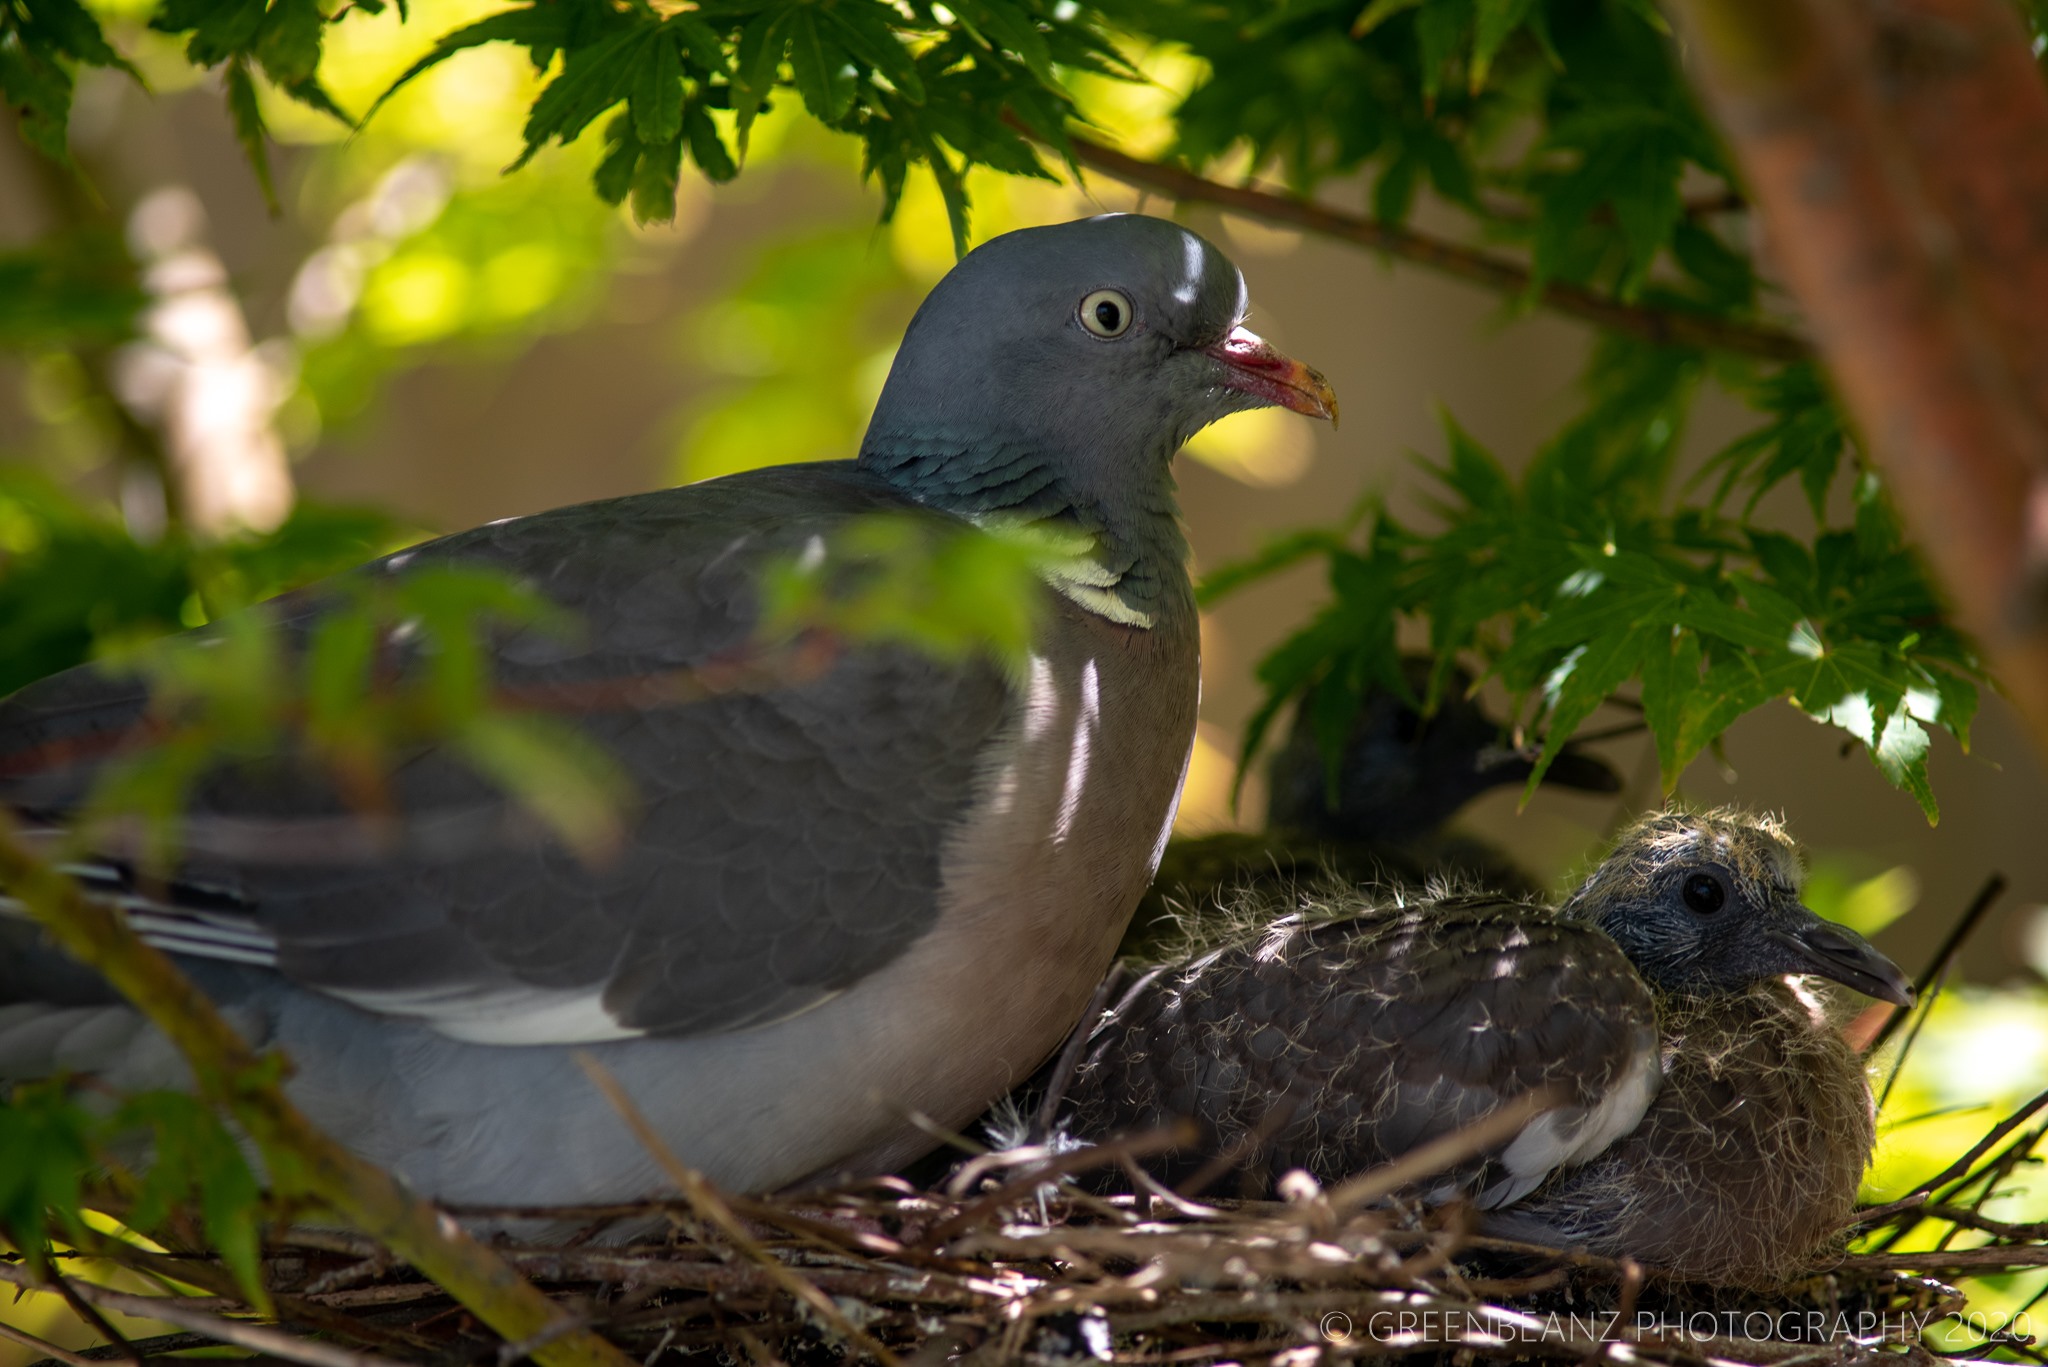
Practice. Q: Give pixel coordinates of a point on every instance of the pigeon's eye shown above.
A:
(1704, 894)
(1107, 313)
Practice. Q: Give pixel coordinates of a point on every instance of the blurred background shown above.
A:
(417, 333)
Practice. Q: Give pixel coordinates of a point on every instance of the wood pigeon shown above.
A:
(1401, 777)
(849, 906)
(1701, 1112)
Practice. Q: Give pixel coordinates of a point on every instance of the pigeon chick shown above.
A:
(1698, 1112)
(846, 900)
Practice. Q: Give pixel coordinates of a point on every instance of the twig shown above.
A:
(1916, 1200)
(1080, 1160)
(710, 1206)
(45, 1347)
(1951, 944)
(1439, 1154)
(186, 1315)
(82, 1306)
(1660, 326)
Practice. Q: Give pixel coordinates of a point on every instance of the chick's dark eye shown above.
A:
(1704, 894)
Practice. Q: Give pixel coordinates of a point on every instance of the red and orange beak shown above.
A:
(1253, 367)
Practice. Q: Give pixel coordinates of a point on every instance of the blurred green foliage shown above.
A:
(1558, 131)
(75, 578)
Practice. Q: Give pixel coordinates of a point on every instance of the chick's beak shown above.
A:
(1840, 954)
(1252, 366)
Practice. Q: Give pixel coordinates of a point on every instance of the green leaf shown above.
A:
(756, 61)
(288, 44)
(1901, 756)
(1279, 553)
(48, 1155)
(818, 65)
(593, 79)
(1440, 28)
(707, 149)
(614, 175)
(220, 28)
(1393, 194)
(1494, 22)
(1583, 682)
(1671, 694)
(654, 181)
(1377, 13)
(1010, 26)
(247, 117)
(869, 36)
(1730, 688)
(657, 90)
(1958, 699)
(68, 27)
(192, 1154)
(40, 92)
(1473, 472)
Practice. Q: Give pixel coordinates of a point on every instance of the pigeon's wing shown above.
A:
(785, 827)
(1339, 1045)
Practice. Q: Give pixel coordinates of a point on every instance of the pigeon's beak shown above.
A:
(1252, 366)
(1839, 953)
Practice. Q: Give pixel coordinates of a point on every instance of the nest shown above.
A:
(1008, 1261)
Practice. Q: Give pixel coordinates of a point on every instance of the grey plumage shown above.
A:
(1703, 1114)
(881, 891)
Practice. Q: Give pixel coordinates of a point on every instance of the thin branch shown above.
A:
(711, 1208)
(1972, 916)
(1663, 327)
(45, 1347)
(1917, 1199)
(183, 1313)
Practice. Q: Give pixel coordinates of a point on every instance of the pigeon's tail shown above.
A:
(177, 915)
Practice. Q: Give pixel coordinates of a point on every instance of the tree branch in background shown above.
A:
(1500, 274)
(1915, 251)
(302, 1162)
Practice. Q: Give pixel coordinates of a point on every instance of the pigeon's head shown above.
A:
(1097, 346)
(1706, 903)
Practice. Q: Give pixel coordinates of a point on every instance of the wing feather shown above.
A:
(784, 842)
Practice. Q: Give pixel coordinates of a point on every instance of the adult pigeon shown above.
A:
(1401, 777)
(848, 906)
(1699, 1111)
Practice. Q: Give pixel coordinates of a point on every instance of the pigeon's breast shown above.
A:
(1746, 1165)
(1040, 879)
